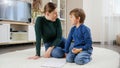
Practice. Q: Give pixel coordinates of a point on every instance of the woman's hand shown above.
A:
(76, 50)
(48, 52)
(34, 57)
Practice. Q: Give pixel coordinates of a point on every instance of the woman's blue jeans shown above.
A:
(58, 51)
(80, 58)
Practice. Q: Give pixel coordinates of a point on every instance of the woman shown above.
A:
(48, 27)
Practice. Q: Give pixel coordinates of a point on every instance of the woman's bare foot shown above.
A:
(34, 57)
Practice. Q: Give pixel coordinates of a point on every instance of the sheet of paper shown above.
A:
(53, 63)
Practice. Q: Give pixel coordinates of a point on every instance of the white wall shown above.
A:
(93, 10)
(71, 4)
(103, 28)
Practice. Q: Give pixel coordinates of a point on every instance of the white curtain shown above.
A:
(111, 21)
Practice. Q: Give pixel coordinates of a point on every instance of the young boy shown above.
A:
(78, 46)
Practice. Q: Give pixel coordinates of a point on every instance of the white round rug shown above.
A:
(101, 58)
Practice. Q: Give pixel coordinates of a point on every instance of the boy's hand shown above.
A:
(76, 50)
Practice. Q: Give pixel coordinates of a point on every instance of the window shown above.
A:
(116, 7)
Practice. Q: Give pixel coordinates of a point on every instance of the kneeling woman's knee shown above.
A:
(57, 52)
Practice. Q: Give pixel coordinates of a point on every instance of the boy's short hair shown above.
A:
(78, 13)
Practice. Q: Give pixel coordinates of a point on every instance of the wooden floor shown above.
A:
(11, 48)
(111, 47)
(15, 47)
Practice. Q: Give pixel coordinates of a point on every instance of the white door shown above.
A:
(4, 33)
(31, 33)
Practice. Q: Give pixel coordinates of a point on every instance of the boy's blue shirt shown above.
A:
(81, 37)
